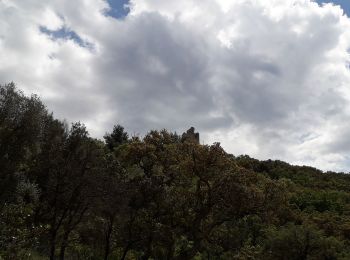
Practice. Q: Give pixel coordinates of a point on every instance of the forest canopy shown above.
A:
(66, 195)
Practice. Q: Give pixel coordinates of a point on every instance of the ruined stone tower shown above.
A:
(191, 136)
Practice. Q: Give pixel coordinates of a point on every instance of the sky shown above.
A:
(118, 8)
(345, 4)
(269, 79)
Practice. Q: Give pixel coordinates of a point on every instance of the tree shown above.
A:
(21, 123)
(300, 242)
(65, 195)
(70, 176)
(116, 138)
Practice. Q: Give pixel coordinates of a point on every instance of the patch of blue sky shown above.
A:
(345, 4)
(65, 33)
(119, 9)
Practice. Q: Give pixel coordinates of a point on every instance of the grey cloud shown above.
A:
(159, 75)
(267, 80)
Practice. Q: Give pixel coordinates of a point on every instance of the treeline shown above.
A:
(66, 195)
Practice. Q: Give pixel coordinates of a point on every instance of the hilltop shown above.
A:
(66, 195)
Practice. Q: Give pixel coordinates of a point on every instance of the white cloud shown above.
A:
(265, 78)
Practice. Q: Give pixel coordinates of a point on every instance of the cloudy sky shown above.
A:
(266, 78)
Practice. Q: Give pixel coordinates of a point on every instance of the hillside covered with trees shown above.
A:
(66, 195)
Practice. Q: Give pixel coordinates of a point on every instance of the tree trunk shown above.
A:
(108, 239)
(62, 251)
(52, 245)
(170, 251)
(125, 252)
(147, 254)
(64, 245)
(52, 252)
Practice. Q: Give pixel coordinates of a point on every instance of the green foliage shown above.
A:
(65, 195)
(300, 242)
(116, 138)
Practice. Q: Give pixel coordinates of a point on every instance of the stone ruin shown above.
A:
(190, 135)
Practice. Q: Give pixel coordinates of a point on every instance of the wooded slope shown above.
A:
(65, 195)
